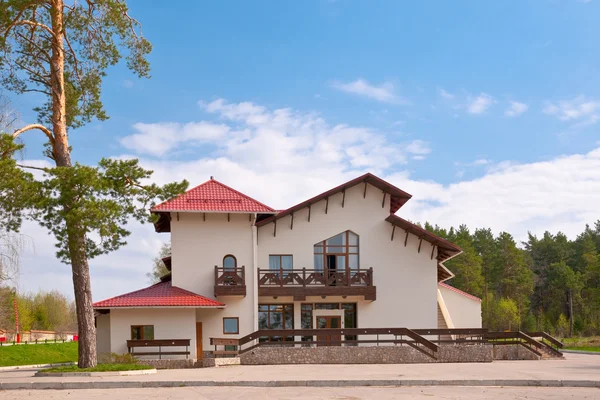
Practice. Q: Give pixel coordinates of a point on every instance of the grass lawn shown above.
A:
(591, 343)
(100, 368)
(584, 348)
(29, 354)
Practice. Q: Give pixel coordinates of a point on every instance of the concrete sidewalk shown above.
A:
(576, 370)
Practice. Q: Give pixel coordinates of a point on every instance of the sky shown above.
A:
(488, 113)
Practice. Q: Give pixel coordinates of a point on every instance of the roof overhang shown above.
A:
(164, 217)
(446, 249)
(398, 196)
(136, 307)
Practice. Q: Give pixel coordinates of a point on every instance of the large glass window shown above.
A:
(349, 316)
(339, 252)
(276, 316)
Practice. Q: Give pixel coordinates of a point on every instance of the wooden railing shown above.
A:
(336, 337)
(520, 338)
(230, 281)
(159, 343)
(552, 344)
(423, 340)
(315, 277)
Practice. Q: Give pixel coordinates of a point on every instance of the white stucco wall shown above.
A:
(406, 280)
(103, 334)
(464, 311)
(199, 245)
(169, 323)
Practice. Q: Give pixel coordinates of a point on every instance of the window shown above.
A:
(276, 316)
(229, 262)
(142, 332)
(231, 325)
(280, 263)
(338, 253)
(306, 320)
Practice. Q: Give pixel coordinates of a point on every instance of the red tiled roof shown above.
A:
(159, 295)
(470, 296)
(213, 196)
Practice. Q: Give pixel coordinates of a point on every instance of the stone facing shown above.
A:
(364, 355)
(513, 352)
(172, 364)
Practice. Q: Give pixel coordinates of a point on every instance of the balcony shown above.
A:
(300, 283)
(230, 281)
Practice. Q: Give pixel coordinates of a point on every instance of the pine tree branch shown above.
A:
(32, 23)
(32, 167)
(35, 126)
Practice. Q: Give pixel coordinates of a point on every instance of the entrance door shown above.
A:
(329, 322)
(199, 340)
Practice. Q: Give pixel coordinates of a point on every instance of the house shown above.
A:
(342, 259)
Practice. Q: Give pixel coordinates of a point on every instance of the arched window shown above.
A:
(229, 262)
(339, 252)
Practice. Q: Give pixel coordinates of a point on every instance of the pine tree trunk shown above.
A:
(75, 234)
(570, 312)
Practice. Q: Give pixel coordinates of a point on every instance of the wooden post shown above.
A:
(243, 275)
(216, 274)
(304, 276)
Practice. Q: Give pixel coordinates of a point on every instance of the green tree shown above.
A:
(158, 266)
(62, 51)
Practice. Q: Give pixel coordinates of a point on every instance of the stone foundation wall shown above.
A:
(513, 352)
(364, 355)
(173, 364)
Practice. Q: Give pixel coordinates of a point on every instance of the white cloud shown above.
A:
(447, 95)
(384, 93)
(516, 109)
(159, 138)
(580, 109)
(480, 104)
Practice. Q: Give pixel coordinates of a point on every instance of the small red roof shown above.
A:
(213, 196)
(159, 295)
(470, 296)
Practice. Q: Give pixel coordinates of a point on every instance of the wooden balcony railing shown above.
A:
(302, 282)
(230, 281)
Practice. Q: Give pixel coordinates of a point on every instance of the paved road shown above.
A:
(574, 367)
(214, 393)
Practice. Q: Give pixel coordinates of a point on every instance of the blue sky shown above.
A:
(487, 112)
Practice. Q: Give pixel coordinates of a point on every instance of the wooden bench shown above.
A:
(160, 343)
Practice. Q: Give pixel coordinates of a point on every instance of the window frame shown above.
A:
(348, 250)
(141, 331)
(281, 262)
(237, 332)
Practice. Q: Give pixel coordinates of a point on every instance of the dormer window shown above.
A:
(229, 262)
(339, 252)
